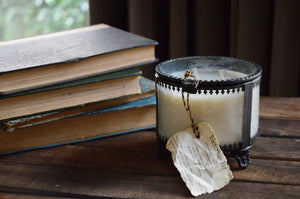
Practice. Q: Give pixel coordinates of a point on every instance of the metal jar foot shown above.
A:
(242, 156)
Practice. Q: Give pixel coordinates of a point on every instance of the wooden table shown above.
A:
(127, 166)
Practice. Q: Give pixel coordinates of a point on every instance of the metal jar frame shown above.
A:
(246, 84)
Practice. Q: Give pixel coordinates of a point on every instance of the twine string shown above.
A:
(186, 103)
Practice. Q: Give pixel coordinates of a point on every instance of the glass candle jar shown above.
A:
(226, 97)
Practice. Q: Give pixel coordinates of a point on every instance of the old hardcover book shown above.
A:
(147, 90)
(97, 78)
(39, 61)
(30, 104)
(133, 116)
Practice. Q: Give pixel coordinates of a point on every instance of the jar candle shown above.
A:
(227, 97)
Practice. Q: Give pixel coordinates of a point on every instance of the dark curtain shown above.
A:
(262, 31)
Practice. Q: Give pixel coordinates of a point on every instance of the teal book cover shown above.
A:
(145, 102)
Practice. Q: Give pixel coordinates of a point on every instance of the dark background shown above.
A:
(262, 31)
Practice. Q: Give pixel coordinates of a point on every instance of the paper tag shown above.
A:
(200, 162)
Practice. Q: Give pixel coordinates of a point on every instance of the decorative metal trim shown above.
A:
(202, 89)
(208, 85)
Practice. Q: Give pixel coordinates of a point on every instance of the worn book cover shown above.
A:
(68, 97)
(147, 89)
(97, 78)
(68, 55)
(129, 117)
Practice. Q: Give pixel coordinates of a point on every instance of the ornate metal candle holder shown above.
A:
(227, 97)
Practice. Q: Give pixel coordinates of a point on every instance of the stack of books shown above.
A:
(74, 86)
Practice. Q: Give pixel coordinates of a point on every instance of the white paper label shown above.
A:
(200, 162)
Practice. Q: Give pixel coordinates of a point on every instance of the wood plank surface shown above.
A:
(276, 148)
(268, 171)
(279, 128)
(99, 155)
(282, 108)
(265, 147)
(128, 166)
(86, 183)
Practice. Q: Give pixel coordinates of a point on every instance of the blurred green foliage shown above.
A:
(23, 18)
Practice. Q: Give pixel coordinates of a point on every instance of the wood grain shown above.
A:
(279, 128)
(268, 171)
(280, 108)
(136, 153)
(276, 148)
(62, 180)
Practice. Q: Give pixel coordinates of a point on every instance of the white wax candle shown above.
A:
(224, 112)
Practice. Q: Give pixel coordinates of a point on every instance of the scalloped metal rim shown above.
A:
(177, 81)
